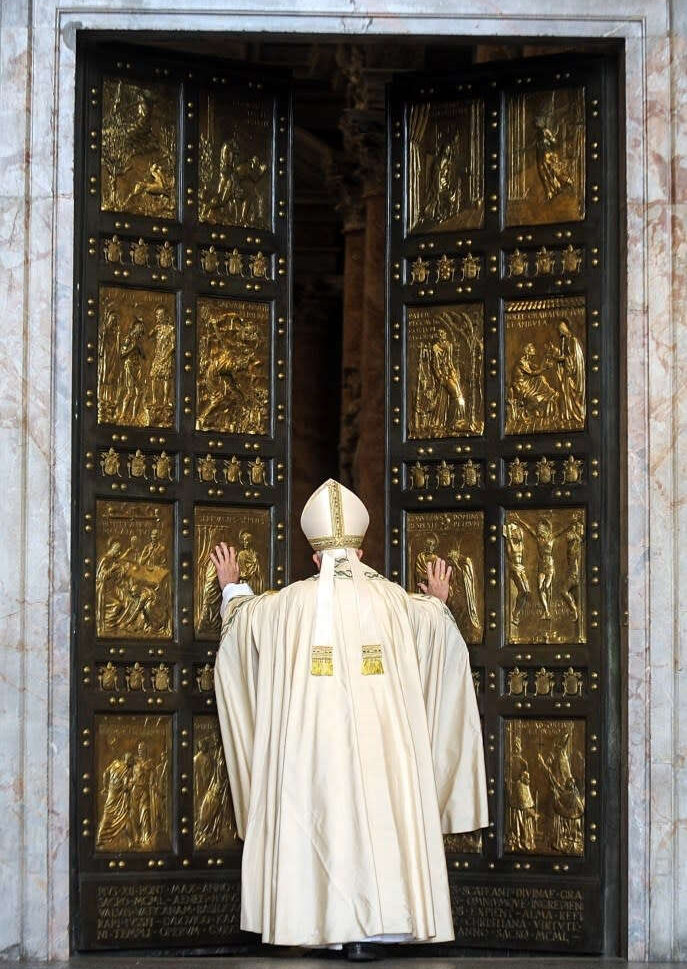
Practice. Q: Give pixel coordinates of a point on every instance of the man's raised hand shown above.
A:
(438, 580)
(226, 566)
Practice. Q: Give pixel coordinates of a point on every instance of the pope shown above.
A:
(352, 741)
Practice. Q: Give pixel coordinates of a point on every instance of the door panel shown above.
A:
(502, 457)
(180, 440)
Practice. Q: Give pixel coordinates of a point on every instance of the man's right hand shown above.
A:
(438, 580)
(226, 566)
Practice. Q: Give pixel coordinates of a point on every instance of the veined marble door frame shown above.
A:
(37, 80)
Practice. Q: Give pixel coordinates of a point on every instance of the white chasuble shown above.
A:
(344, 782)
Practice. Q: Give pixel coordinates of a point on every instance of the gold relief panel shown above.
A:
(445, 376)
(467, 843)
(232, 390)
(546, 575)
(457, 537)
(138, 160)
(545, 152)
(546, 386)
(137, 337)
(248, 530)
(445, 166)
(133, 766)
(214, 825)
(235, 162)
(544, 777)
(133, 584)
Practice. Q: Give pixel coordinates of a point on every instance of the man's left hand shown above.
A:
(224, 560)
(438, 580)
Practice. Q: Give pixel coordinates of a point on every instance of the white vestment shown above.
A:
(343, 784)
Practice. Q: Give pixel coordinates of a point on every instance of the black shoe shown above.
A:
(362, 952)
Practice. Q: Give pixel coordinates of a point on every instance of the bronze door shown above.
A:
(502, 457)
(181, 388)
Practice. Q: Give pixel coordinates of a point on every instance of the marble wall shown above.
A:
(37, 64)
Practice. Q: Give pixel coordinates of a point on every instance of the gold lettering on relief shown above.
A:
(214, 825)
(133, 582)
(136, 357)
(545, 592)
(545, 155)
(457, 537)
(248, 530)
(139, 148)
(544, 775)
(232, 390)
(445, 379)
(235, 161)
(133, 766)
(545, 365)
(446, 166)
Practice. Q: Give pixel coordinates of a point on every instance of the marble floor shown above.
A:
(110, 961)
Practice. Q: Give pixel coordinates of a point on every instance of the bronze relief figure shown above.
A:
(544, 779)
(545, 592)
(546, 157)
(545, 365)
(133, 754)
(136, 357)
(445, 384)
(213, 814)
(232, 390)
(133, 579)
(445, 166)
(139, 148)
(235, 163)
(248, 530)
(457, 537)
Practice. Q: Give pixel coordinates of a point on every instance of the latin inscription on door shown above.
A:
(137, 914)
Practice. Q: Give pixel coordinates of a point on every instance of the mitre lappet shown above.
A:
(335, 521)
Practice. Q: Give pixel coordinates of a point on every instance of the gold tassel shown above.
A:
(321, 661)
(372, 661)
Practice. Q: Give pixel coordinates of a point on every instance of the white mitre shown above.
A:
(334, 517)
(335, 521)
